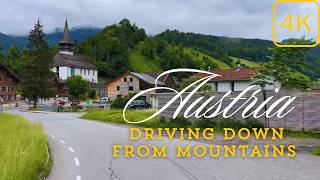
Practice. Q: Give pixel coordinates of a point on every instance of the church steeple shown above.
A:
(66, 45)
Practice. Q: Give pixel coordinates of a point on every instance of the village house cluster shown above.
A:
(67, 64)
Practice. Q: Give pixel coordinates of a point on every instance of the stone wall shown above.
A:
(306, 113)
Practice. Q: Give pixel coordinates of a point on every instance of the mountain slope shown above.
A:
(250, 49)
(77, 35)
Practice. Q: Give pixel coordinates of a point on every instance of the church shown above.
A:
(66, 64)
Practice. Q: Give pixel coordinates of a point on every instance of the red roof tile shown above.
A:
(234, 74)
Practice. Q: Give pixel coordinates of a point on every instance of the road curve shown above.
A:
(82, 150)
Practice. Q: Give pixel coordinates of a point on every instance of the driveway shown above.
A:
(83, 150)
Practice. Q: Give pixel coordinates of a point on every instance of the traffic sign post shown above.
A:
(1, 105)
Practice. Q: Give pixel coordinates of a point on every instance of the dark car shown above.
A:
(138, 104)
(59, 103)
(76, 104)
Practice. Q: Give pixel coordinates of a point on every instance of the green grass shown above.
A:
(301, 134)
(115, 116)
(221, 65)
(316, 151)
(23, 150)
(317, 83)
(139, 63)
(247, 63)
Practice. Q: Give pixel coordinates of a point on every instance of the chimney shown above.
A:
(238, 67)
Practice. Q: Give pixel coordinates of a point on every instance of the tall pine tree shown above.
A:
(37, 61)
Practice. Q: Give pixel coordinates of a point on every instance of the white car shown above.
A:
(103, 101)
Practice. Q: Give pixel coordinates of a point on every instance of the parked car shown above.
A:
(76, 104)
(103, 101)
(137, 104)
(59, 103)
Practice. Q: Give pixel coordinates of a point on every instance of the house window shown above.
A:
(216, 86)
(4, 88)
(72, 71)
(80, 71)
(1, 78)
(232, 86)
(85, 72)
(93, 72)
(130, 88)
(12, 88)
(131, 79)
(125, 79)
(89, 72)
(118, 88)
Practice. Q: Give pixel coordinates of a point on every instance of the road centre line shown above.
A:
(76, 160)
(70, 149)
(52, 136)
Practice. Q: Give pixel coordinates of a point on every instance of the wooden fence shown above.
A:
(305, 116)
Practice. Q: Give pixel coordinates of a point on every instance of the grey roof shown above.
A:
(72, 61)
(147, 78)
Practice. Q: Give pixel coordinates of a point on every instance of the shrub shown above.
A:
(91, 93)
(205, 123)
(179, 122)
(120, 102)
(229, 123)
(252, 123)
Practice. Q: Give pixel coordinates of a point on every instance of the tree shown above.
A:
(37, 62)
(263, 79)
(91, 93)
(187, 81)
(281, 62)
(13, 58)
(77, 86)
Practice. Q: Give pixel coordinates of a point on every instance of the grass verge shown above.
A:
(316, 151)
(301, 134)
(23, 151)
(115, 116)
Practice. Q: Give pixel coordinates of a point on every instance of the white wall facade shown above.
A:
(224, 86)
(87, 74)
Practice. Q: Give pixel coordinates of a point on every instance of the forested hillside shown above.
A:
(124, 46)
(250, 49)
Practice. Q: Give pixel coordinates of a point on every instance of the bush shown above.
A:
(179, 122)
(229, 123)
(91, 93)
(205, 123)
(252, 123)
(120, 102)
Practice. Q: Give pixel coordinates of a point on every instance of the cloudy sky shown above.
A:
(234, 18)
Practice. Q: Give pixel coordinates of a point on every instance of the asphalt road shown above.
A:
(82, 150)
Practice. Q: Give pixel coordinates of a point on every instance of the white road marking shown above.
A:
(62, 142)
(76, 160)
(52, 136)
(70, 149)
(78, 177)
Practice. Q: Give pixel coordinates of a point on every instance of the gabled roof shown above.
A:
(9, 72)
(72, 61)
(141, 76)
(147, 78)
(244, 74)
